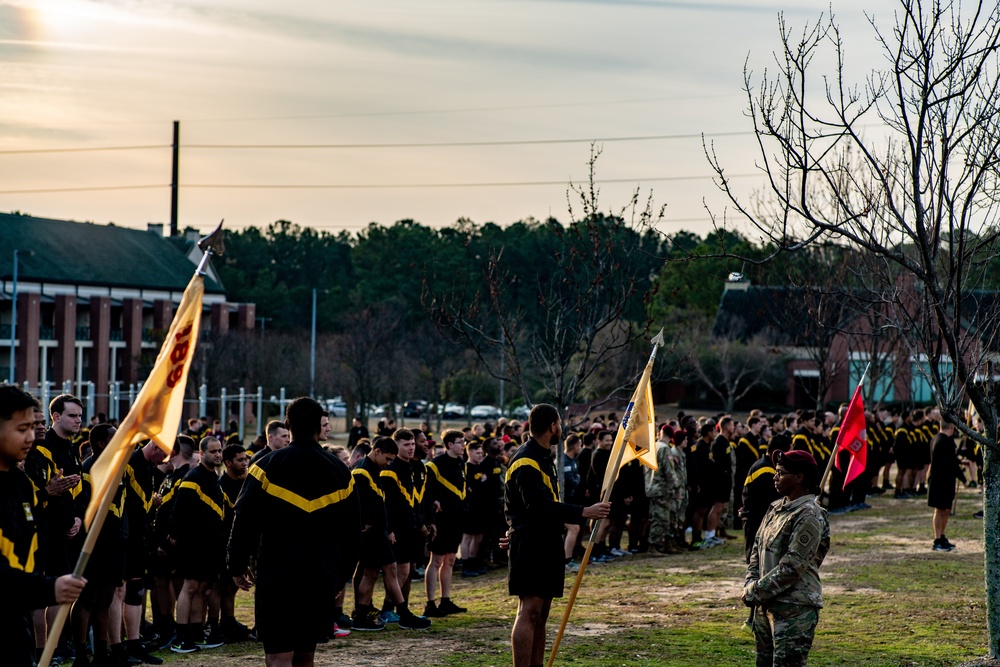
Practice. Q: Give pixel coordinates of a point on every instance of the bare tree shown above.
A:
(729, 366)
(367, 350)
(902, 167)
(554, 325)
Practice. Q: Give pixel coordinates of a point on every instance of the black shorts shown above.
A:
(199, 564)
(376, 550)
(474, 521)
(135, 560)
(106, 566)
(409, 548)
(537, 564)
(448, 537)
(722, 489)
(289, 621)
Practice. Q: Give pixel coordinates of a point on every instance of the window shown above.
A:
(921, 388)
(883, 376)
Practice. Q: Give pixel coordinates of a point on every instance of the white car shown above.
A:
(336, 407)
(485, 412)
(453, 411)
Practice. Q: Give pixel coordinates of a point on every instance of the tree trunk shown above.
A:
(991, 545)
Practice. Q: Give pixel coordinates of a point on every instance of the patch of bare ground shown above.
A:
(981, 662)
(358, 650)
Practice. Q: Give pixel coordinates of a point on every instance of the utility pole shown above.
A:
(13, 319)
(312, 351)
(173, 178)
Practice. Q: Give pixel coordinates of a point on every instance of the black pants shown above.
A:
(17, 638)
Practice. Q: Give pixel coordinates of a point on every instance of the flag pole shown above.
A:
(629, 429)
(833, 456)
(210, 244)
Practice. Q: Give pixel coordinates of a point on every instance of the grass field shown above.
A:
(889, 601)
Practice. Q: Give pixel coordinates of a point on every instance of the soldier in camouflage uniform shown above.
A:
(679, 500)
(660, 491)
(782, 580)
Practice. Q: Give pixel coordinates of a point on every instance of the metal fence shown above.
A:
(120, 399)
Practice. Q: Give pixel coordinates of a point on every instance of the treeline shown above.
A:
(396, 304)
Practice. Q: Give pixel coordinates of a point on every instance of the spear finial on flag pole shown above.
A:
(155, 415)
(641, 406)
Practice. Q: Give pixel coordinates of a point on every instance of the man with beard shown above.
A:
(537, 520)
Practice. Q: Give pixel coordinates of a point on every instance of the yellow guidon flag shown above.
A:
(636, 435)
(156, 413)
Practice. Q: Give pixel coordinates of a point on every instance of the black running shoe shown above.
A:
(185, 646)
(447, 607)
(432, 611)
(413, 622)
(367, 621)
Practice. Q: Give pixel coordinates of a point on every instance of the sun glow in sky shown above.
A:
(359, 75)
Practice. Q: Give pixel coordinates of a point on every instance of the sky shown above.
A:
(365, 101)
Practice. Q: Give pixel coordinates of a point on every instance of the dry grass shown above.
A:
(890, 601)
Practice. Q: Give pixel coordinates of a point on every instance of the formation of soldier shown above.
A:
(185, 532)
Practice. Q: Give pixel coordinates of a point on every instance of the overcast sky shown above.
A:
(116, 73)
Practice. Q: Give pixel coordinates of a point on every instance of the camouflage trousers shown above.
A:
(666, 518)
(661, 519)
(784, 634)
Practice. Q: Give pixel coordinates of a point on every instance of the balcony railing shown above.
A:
(83, 333)
(5, 331)
(147, 336)
(46, 333)
(116, 334)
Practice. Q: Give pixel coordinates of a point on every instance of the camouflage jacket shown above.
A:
(790, 546)
(660, 482)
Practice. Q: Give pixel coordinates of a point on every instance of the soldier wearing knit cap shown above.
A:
(782, 580)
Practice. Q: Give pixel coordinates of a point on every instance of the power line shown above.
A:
(427, 144)
(434, 144)
(365, 186)
(88, 189)
(82, 150)
(413, 112)
(388, 186)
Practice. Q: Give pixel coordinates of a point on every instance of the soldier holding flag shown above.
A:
(536, 519)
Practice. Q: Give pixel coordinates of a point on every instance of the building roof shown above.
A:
(84, 253)
(785, 315)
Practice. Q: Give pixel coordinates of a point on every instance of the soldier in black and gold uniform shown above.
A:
(444, 500)
(537, 525)
(300, 491)
(24, 587)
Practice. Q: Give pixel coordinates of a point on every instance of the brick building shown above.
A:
(787, 321)
(93, 300)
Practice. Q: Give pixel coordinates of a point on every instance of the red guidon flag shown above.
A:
(853, 438)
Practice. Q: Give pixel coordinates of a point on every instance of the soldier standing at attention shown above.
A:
(782, 579)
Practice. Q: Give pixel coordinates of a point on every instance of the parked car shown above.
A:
(520, 412)
(415, 409)
(485, 412)
(336, 407)
(453, 411)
